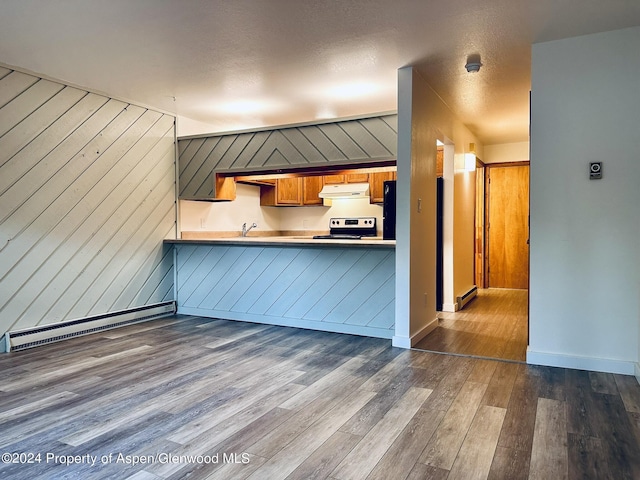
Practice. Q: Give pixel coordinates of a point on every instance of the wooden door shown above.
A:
(508, 211)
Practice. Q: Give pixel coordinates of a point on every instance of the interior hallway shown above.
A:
(493, 325)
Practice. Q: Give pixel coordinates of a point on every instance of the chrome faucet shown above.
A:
(246, 230)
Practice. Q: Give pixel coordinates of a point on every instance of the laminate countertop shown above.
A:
(293, 241)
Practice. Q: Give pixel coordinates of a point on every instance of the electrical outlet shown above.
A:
(425, 299)
(419, 205)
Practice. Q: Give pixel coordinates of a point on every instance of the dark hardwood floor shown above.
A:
(186, 397)
(493, 325)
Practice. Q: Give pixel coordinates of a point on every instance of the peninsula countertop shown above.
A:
(287, 240)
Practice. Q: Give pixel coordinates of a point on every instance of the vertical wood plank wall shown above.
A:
(373, 138)
(87, 194)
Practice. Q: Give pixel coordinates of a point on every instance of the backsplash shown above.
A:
(229, 216)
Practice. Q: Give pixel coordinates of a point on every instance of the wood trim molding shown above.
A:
(508, 164)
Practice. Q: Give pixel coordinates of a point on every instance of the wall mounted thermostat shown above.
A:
(595, 170)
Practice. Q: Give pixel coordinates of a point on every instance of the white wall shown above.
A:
(422, 118)
(229, 216)
(187, 126)
(584, 309)
(506, 152)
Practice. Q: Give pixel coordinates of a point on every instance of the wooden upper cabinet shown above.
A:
(333, 179)
(376, 185)
(346, 178)
(302, 191)
(311, 187)
(292, 192)
(357, 178)
(289, 191)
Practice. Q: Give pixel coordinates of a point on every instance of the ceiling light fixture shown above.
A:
(473, 63)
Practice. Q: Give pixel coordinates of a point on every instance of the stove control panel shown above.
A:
(359, 222)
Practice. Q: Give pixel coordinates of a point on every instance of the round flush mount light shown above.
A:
(473, 63)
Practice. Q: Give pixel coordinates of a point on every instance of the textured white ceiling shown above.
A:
(243, 64)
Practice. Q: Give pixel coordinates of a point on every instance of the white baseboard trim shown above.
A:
(449, 307)
(578, 362)
(408, 342)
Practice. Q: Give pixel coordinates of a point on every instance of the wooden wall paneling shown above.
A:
(365, 140)
(13, 84)
(123, 271)
(108, 205)
(261, 287)
(326, 149)
(41, 119)
(46, 151)
(186, 151)
(343, 141)
(246, 279)
(188, 286)
(308, 152)
(62, 166)
(197, 151)
(229, 270)
(90, 164)
(153, 282)
(201, 184)
(324, 283)
(222, 262)
(87, 194)
(297, 281)
(26, 103)
(285, 285)
(384, 129)
(363, 295)
(79, 270)
(254, 143)
(355, 274)
(337, 143)
(4, 72)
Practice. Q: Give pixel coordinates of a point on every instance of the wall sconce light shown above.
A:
(473, 63)
(470, 158)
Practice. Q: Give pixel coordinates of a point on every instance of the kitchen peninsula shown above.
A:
(345, 286)
(290, 278)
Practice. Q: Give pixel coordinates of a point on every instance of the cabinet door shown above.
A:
(376, 185)
(311, 187)
(289, 191)
(333, 179)
(357, 178)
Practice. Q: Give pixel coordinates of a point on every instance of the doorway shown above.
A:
(495, 324)
(507, 226)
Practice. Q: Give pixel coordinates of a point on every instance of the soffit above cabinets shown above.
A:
(319, 147)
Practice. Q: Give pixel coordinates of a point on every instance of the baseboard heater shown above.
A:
(54, 332)
(467, 297)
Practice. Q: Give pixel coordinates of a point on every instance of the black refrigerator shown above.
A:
(389, 211)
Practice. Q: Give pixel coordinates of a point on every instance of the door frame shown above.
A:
(487, 207)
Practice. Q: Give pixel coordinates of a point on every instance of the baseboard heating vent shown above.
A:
(467, 297)
(54, 332)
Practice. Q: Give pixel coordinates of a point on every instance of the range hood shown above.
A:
(345, 190)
